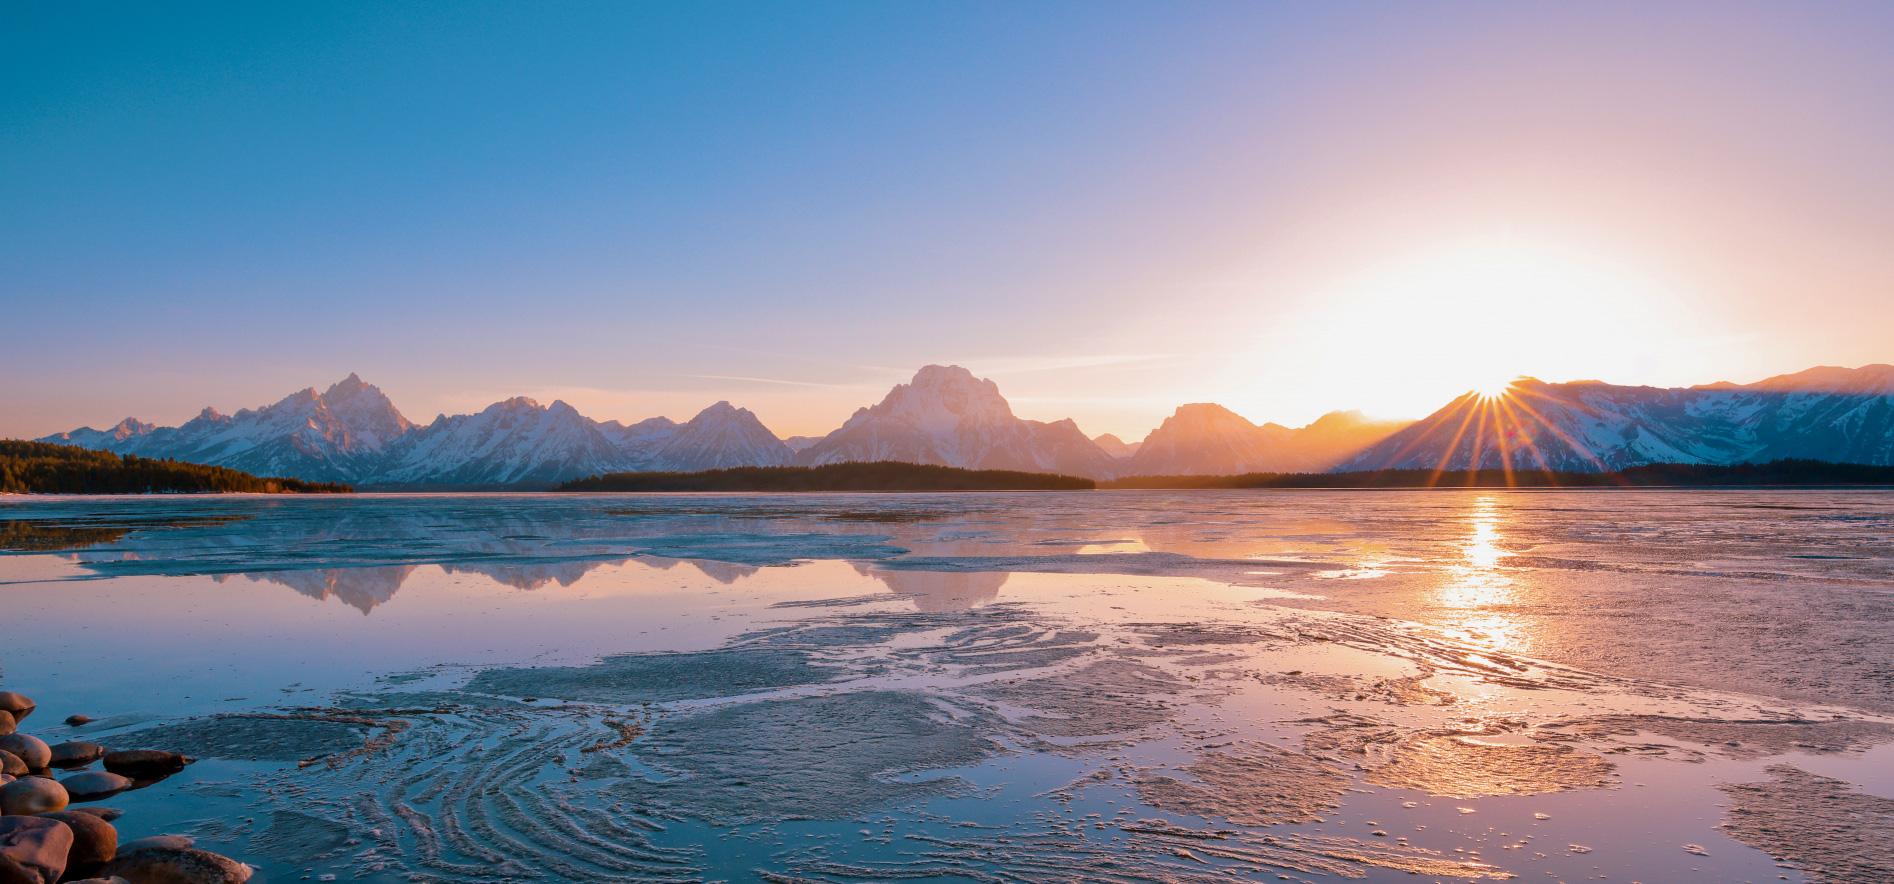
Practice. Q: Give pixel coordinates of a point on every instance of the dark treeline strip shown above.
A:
(876, 476)
(1779, 473)
(45, 468)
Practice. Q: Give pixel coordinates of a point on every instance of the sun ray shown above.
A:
(1552, 428)
(1447, 457)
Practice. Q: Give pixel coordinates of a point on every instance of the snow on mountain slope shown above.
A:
(1840, 415)
(118, 434)
(515, 442)
(799, 443)
(948, 417)
(338, 435)
(352, 433)
(718, 437)
(1207, 439)
(638, 443)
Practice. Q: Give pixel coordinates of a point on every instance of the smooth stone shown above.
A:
(94, 841)
(95, 784)
(31, 795)
(76, 753)
(7, 724)
(151, 842)
(14, 873)
(168, 865)
(36, 843)
(29, 748)
(78, 720)
(141, 764)
(11, 764)
(6, 778)
(19, 705)
(107, 814)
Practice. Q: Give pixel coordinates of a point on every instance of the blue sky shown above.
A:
(1110, 208)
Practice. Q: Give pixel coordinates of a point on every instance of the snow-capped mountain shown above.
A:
(340, 435)
(352, 433)
(799, 443)
(117, 434)
(720, 436)
(1832, 414)
(643, 436)
(948, 417)
(515, 442)
(1208, 439)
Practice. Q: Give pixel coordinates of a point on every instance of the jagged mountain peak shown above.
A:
(947, 416)
(721, 408)
(1832, 414)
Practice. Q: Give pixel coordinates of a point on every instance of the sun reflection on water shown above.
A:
(1477, 592)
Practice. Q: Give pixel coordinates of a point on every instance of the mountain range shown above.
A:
(1832, 414)
(945, 415)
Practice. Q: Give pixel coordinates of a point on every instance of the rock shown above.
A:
(36, 843)
(6, 778)
(17, 705)
(95, 784)
(78, 720)
(94, 841)
(112, 880)
(30, 749)
(14, 873)
(7, 724)
(146, 764)
(76, 753)
(107, 814)
(151, 842)
(170, 865)
(31, 795)
(11, 764)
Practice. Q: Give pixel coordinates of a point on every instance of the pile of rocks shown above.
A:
(44, 842)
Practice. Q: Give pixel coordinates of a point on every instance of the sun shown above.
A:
(1495, 389)
(1405, 333)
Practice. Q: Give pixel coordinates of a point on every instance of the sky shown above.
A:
(1109, 208)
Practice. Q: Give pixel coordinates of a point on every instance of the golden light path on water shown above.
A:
(1477, 593)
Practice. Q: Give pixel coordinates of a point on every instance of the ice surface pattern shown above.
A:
(866, 737)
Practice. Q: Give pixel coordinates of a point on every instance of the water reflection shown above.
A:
(1478, 593)
(936, 592)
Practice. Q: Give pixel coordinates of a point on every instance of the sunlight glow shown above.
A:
(1477, 590)
(1403, 336)
(1494, 389)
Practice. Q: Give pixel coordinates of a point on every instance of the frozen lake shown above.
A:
(1118, 686)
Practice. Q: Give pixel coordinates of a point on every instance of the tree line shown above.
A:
(47, 468)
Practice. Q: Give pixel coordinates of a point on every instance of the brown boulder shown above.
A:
(29, 749)
(94, 841)
(31, 795)
(17, 705)
(11, 764)
(146, 764)
(94, 785)
(38, 844)
(14, 873)
(75, 753)
(171, 865)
